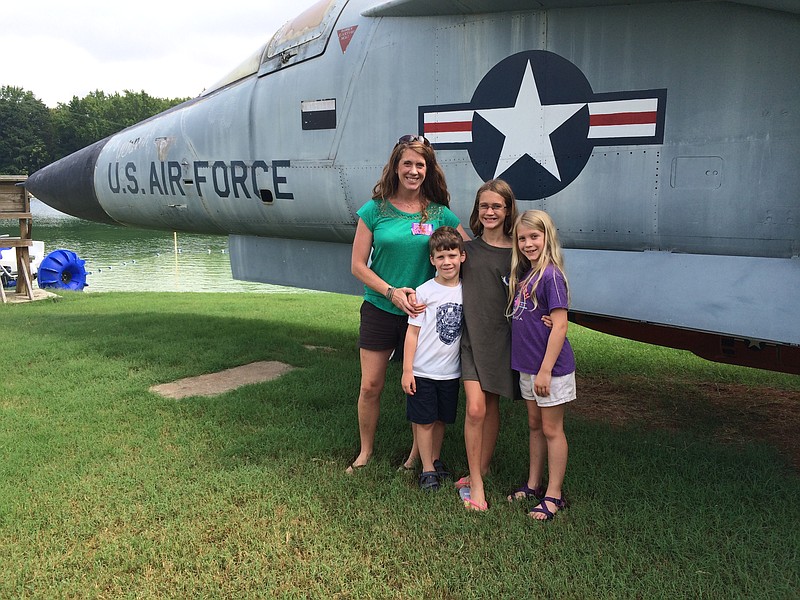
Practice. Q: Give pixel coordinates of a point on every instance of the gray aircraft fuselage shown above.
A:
(663, 138)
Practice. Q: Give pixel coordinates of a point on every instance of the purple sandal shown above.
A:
(542, 507)
(530, 493)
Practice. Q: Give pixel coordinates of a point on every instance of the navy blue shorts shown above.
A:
(381, 330)
(435, 400)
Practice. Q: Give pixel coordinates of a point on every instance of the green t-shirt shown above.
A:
(400, 254)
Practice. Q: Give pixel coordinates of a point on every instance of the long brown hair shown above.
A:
(500, 187)
(434, 186)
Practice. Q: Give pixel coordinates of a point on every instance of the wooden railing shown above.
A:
(15, 203)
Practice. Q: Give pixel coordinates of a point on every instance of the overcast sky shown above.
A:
(58, 49)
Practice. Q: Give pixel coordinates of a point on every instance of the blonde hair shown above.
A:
(538, 220)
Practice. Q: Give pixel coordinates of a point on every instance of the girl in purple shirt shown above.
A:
(543, 356)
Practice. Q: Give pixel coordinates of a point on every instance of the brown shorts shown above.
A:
(381, 330)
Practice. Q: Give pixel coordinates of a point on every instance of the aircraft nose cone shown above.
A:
(68, 185)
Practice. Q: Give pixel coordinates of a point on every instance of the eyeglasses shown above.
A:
(407, 139)
(494, 207)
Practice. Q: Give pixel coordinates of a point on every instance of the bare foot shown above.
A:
(471, 504)
(409, 465)
(357, 464)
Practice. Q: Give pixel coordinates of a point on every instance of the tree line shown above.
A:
(33, 135)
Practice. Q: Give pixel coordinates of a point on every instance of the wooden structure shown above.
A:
(15, 203)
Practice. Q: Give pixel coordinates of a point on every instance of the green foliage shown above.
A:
(26, 132)
(83, 121)
(108, 490)
(32, 136)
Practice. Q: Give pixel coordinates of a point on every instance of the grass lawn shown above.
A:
(683, 474)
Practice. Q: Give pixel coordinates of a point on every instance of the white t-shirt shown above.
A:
(438, 345)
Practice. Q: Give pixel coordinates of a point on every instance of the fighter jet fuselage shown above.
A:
(663, 138)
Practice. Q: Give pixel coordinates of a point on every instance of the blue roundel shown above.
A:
(545, 95)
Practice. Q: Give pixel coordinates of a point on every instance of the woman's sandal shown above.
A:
(464, 482)
(524, 492)
(560, 503)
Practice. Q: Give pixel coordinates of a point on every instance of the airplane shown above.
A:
(662, 136)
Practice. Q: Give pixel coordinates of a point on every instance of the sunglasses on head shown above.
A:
(407, 139)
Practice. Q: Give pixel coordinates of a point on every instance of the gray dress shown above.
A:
(486, 337)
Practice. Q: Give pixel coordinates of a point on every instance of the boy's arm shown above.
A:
(409, 349)
(555, 342)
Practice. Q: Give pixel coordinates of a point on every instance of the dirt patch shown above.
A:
(213, 384)
(729, 413)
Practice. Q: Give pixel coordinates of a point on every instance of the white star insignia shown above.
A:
(527, 126)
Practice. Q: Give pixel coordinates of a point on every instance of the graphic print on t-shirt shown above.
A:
(448, 322)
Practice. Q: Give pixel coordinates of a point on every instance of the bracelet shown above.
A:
(389, 293)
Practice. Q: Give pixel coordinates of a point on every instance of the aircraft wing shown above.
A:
(422, 8)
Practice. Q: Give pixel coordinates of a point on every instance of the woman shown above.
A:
(486, 338)
(391, 257)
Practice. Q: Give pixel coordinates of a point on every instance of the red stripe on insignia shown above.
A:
(464, 126)
(629, 118)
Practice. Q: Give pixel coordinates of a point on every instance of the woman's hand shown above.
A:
(406, 300)
(415, 306)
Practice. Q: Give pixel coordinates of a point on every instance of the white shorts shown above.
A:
(562, 389)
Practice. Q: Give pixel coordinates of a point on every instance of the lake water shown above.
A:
(125, 259)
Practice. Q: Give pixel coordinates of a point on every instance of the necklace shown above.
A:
(410, 207)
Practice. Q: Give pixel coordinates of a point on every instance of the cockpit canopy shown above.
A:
(297, 40)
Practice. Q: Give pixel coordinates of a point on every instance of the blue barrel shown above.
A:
(62, 269)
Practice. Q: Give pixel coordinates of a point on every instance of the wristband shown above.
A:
(389, 293)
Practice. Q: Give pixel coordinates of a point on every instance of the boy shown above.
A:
(431, 361)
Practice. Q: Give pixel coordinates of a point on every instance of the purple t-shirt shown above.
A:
(529, 335)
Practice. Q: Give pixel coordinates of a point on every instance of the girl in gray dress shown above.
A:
(486, 337)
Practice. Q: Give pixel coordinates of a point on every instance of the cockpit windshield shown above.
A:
(307, 26)
(300, 38)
